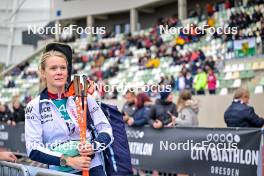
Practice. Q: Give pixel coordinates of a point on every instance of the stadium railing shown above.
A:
(11, 169)
(42, 173)
(14, 169)
(36, 171)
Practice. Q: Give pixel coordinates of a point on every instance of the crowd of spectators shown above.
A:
(197, 74)
(247, 24)
(140, 110)
(190, 78)
(204, 79)
(12, 114)
(195, 59)
(243, 21)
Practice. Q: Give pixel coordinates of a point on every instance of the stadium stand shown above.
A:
(142, 58)
(148, 57)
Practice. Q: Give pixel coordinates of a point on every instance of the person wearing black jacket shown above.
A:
(5, 113)
(129, 108)
(160, 113)
(240, 114)
(141, 115)
(18, 112)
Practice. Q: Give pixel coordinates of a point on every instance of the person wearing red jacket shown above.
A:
(211, 81)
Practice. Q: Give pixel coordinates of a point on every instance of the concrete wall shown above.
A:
(79, 8)
(112, 20)
(148, 19)
(148, 15)
(212, 108)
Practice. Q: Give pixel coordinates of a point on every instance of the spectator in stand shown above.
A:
(129, 108)
(176, 58)
(16, 71)
(232, 3)
(258, 43)
(98, 73)
(211, 22)
(211, 81)
(227, 4)
(5, 113)
(154, 62)
(194, 67)
(172, 82)
(199, 11)
(7, 156)
(160, 113)
(11, 84)
(180, 83)
(18, 112)
(201, 55)
(189, 81)
(114, 94)
(210, 9)
(209, 63)
(220, 64)
(240, 114)
(187, 110)
(141, 115)
(195, 56)
(162, 80)
(200, 82)
(180, 40)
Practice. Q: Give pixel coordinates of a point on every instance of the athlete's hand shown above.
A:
(85, 149)
(91, 87)
(79, 162)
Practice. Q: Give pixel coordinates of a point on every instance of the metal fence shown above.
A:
(13, 169)
(35, 171)
(48, 173)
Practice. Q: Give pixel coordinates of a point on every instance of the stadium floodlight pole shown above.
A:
(81, 103)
